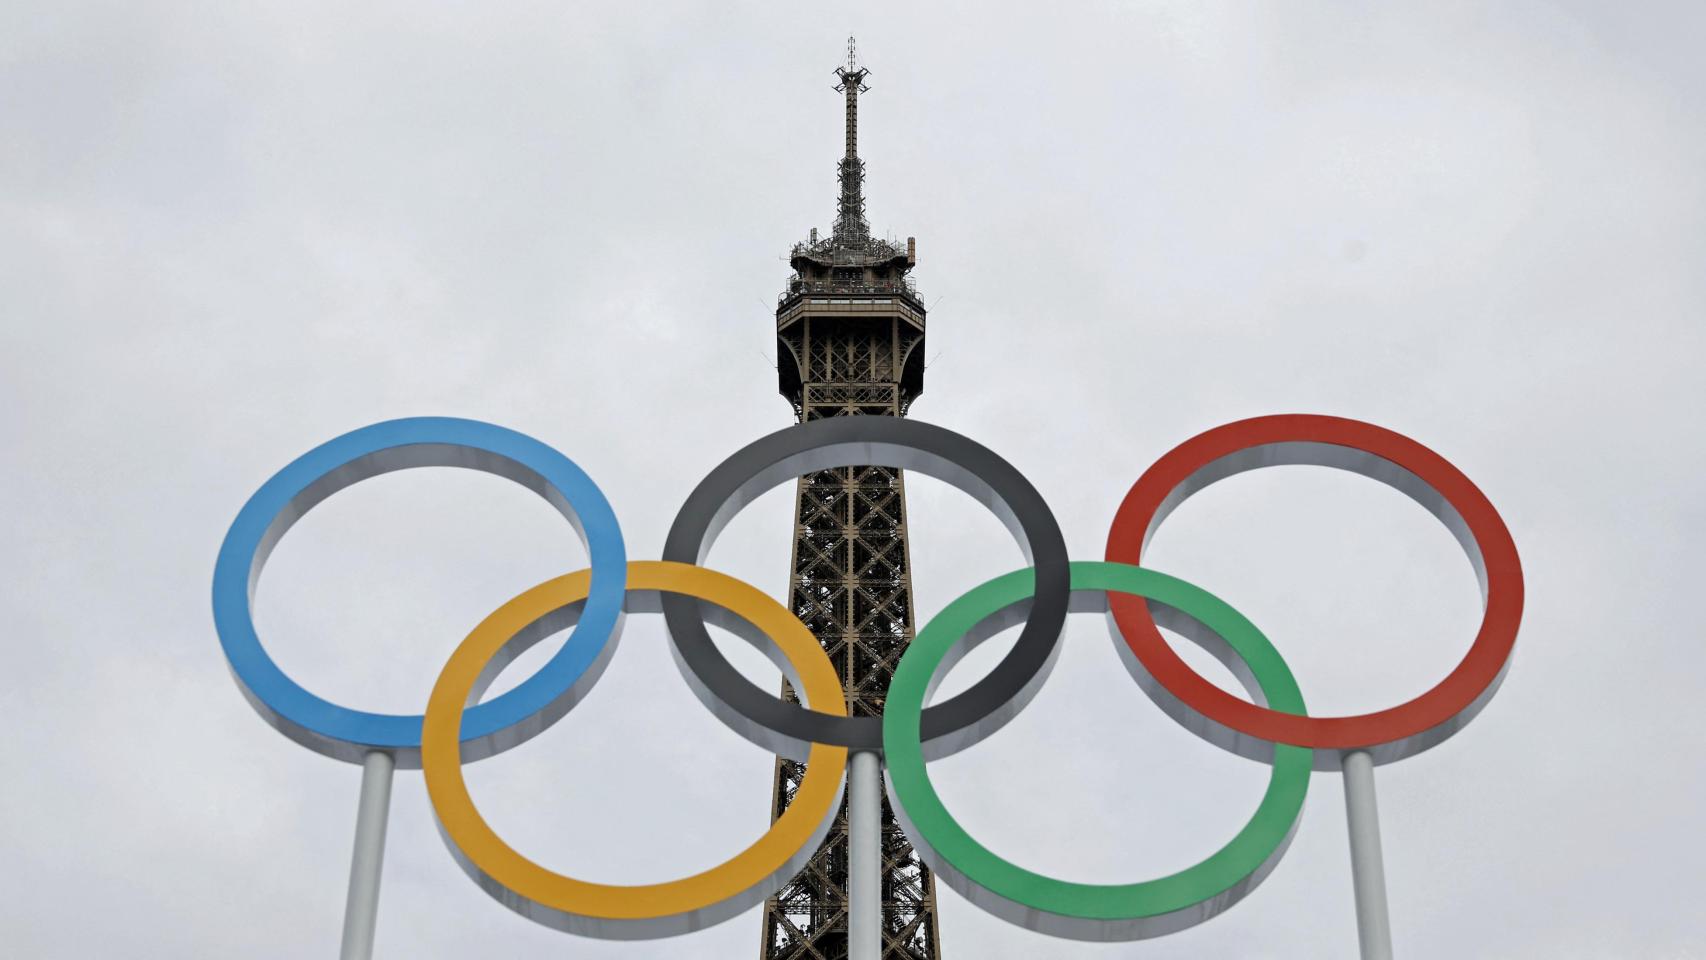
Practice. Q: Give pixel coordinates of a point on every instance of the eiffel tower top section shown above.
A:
(850, 324)
(850, 257)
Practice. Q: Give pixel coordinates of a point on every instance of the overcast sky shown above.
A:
(229, 232)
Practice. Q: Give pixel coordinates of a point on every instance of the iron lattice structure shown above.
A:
(850, 338)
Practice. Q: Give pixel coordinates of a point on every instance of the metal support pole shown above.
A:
(361, 910)
(1368, 872)
(864, 856)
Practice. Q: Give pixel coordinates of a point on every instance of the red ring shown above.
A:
(1388, 734)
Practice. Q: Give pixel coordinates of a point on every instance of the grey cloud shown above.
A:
(230, 232)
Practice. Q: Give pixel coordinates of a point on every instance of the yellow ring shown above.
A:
(651, 910)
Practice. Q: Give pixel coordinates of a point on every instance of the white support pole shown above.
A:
(361, 910)
(864, 856)
(1368, 871)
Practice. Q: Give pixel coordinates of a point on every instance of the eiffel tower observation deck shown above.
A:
(850, 340)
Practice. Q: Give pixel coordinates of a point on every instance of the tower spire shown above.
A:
(850, 226)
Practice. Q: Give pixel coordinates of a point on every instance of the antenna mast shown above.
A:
(851, 229)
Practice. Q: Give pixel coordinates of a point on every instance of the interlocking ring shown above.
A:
(788, 729)
(349, 734)
(1087, 911)
(1391, 458)
(651, 910)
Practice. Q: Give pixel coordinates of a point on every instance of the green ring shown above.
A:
(1083, 911)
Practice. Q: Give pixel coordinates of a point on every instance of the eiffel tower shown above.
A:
(850, 340)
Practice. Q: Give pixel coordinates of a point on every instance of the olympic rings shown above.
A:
(1082, 911)
(652, 910)
(456, 729)
(1380, 454)
(348, 734)
(787, 728)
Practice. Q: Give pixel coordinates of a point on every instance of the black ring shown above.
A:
(789, 728)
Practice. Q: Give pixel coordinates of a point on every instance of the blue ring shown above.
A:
(489, 727)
